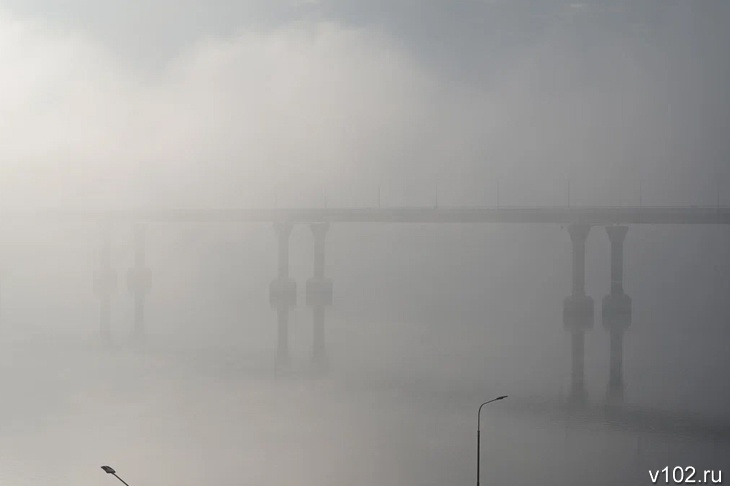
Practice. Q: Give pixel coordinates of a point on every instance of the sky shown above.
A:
(250, 103)
(306, 103)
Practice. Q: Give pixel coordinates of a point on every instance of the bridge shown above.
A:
(578, 308)
(596, 215)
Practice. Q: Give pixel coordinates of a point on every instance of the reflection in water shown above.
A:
(201, 417)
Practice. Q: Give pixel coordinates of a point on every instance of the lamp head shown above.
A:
(502, 397)
(108, 469)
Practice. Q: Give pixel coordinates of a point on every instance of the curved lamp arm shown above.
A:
(479, 414)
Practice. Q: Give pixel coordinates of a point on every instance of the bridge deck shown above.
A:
(555, 215)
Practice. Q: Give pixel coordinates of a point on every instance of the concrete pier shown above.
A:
(616, 315)
(319, 296)
(578, 313)
(283, 294)
(139, 282)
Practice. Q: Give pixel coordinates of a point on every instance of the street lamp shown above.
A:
(479, 418)
(110, 470)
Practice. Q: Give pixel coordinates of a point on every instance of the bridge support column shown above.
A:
(319, 296)
(578, 312)
(138, 282)
(616, 314)
(283, 294)
(105, 283)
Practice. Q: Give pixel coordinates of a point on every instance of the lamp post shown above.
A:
(110, 470)
(479, 418)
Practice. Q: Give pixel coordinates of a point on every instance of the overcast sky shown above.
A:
(251, 103)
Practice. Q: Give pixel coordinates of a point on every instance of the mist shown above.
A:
(351, 104)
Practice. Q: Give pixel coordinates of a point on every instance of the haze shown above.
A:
(354, 104)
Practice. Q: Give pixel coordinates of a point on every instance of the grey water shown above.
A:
(215, 411)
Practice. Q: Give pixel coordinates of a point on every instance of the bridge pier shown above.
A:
(138, 282)
(105, 283)
(578, 313)
(319, 296)
(616, 314)
(283, 294)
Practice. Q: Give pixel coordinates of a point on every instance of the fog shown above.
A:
(357, 104)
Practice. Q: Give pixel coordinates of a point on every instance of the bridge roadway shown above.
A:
(591, 215)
